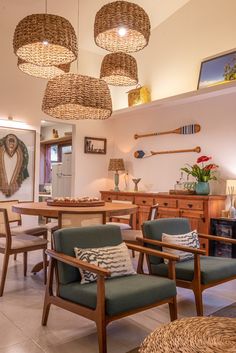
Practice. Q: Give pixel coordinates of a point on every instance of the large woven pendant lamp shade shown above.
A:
(42, 71)
(45, 40)
(122, 26)
(119, 69)
(73, 96)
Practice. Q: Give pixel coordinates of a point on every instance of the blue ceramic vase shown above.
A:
(202, 188)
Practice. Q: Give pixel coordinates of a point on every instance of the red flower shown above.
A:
(203, 159)
(210, 167)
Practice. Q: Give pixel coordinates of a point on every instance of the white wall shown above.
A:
(159, 173)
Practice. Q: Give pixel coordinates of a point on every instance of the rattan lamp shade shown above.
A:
(72, 96)
(45, 40)
(116, 164)
(119, 69)
(42, 71)
(122, 15)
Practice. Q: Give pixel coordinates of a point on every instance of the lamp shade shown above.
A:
(42, 71)
(122, 26)
(45, 40)
(116, 164)
(72, 96)
(119, 69)
(231, 187)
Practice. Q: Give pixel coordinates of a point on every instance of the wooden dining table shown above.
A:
(45, 210)
(42, 209)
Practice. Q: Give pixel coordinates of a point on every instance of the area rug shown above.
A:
(228, 311)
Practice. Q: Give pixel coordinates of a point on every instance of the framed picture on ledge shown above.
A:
(218, 70)
(95, 145)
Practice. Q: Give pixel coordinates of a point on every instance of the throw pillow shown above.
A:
(116, 259)
(189, 239)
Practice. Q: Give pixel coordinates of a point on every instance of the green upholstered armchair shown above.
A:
(107, 299)
(199, 273)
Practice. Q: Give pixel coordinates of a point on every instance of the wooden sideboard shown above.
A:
(198, 209)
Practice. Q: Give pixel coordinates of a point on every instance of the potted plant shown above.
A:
(203, 173)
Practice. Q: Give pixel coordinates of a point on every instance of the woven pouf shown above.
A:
(193, 335)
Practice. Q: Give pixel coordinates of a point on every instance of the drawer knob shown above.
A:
(165, 203)
(190, 205)
(144, 201)
(109, 199)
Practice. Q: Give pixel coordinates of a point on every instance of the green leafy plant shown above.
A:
(202, 173)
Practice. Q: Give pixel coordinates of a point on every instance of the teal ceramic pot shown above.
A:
(202, 188)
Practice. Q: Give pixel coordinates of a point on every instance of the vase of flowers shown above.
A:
(203, 173)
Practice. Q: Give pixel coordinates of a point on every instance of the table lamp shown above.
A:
(115, 165)
(231, 191)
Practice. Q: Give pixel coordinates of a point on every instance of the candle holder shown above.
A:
(136, 181)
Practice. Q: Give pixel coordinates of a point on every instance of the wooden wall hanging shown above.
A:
(12, 145)
(142, 154)
(183, 130)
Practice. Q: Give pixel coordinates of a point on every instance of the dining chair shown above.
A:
(106, 299)
(199, 273)
(128, 224)
(20, 243)
(132, 234)
(71, 219)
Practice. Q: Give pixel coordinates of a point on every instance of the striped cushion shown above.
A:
(188, 239)
(116, 259)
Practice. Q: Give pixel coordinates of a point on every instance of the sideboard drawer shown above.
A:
(125, 198)
(109, 197)
(191, 204)
(145, 201)
(165, 202)
(164, 212)
(191, 214)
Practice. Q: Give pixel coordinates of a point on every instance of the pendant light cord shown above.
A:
(46, 6)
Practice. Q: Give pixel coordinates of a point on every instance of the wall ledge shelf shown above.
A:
(59, 140)
(183, 98)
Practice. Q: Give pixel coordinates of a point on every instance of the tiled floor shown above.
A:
(21, 309)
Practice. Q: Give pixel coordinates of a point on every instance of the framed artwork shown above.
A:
(17, 164)
(95, 145)
(218, 70)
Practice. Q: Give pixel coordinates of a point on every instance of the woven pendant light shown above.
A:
(42, 71)
(122, 26)
(73, 96)
(119, 69)
(45, 40)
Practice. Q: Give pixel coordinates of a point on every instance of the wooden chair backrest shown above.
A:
(70, 219)
(4, 227)
(12, 216)
(153, 213)
(123, 201)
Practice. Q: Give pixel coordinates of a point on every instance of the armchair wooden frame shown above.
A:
(99, 314)
(195, 285)
(7, 250)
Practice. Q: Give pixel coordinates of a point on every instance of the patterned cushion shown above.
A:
(188, 239)
(116, 259)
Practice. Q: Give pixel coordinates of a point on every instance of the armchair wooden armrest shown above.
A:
(72, 261)
(152, 252)
(217, 238)
(172, 246)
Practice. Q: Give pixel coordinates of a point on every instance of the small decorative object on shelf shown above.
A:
(136, 181)
(231, 191)
(202, 174)
(55, 134)
(139, 95)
